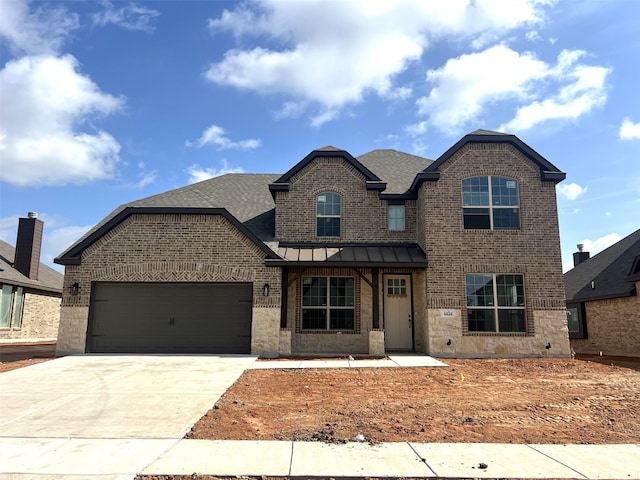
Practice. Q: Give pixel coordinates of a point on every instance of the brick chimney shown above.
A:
(580, 256)
(28, 245)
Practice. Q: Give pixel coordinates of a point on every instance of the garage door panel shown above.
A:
(170, 318)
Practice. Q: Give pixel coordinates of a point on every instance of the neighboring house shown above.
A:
(31, 291)
(603, 306)
(384, 252)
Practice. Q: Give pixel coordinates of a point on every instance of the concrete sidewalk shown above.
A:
(111, 459)
(426, 460)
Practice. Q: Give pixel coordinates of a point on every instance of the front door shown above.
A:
(398, 323)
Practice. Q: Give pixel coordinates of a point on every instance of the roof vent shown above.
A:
(580, 247)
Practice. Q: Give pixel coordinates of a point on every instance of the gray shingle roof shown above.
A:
(244, 195)
(608, 270)
(49, 279)
(396, 168)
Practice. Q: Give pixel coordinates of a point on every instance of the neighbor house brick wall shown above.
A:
(613, 327)
(40, 317)
(533, 250)
(173, 248)
(364, 215)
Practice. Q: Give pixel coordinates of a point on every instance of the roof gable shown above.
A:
(610, 271)
(73, 255)
(372, 181)
(548, 171)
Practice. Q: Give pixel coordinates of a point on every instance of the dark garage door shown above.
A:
(170, 318)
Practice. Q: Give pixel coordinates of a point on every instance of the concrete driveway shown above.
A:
(106, 415)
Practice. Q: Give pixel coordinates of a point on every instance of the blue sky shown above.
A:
(105, 102)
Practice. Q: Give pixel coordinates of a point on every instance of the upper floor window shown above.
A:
(396, 217)
(491, 203)
(328, 214)
(11, 306)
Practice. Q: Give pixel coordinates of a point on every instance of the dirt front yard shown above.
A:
(504, 401)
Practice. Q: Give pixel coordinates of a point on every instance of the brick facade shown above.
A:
(453, 251)
(157, 247)
(171, 248)
(613, 327)
(40, 318)
(364, 214)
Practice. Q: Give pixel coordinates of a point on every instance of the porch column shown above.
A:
(284, 297)
(376, 298)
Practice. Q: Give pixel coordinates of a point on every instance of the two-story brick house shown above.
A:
(383, 252)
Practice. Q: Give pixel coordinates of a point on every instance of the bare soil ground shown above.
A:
(503, 401)
(6, 366)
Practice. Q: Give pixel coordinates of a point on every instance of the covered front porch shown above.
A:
(352, 300)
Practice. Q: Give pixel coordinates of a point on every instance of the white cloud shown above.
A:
(571, 191)
(468, 85)
(215, 135)
(198, 173)
(47, 110)
(130, 17)
(629, 130)
(585, 90)
(41, 31)
(599, 244)
(327, 56)
(464, 86)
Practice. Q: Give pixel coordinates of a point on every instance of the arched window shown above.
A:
(491, 203)
(328, 214)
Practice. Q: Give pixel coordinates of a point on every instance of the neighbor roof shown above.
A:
(48, 279)
(609, 270)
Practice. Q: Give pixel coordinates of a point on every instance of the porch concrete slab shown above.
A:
(356, 460)
(224, 458)
(463, 460)
(84, 457)
(275, 364)
(597, 461)
(372, 363)
(416, 361)
(320, 363)
(391, 361)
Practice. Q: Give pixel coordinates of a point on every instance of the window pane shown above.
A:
(314, 318)
(572, 320)
(342, 292)
(314, 291)
(342, 319)
(481, 320)
(396, 217)
(477, 218)
(511, 320)
(475, 191)
(510, 289)
(17, 308)
(479, 290)
(328, 226)
(506, 218)
(5, 305)
(328, 204)
(504, 191)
